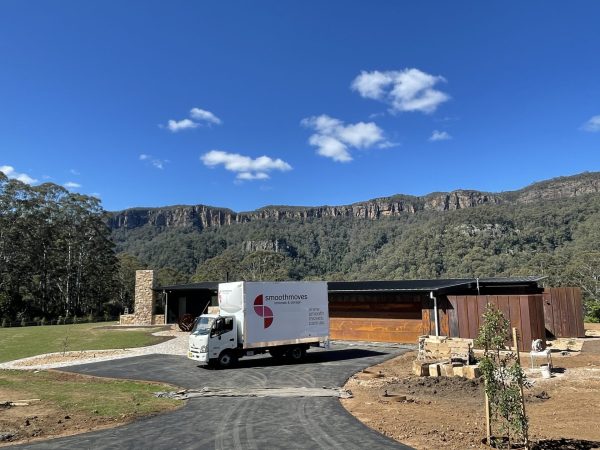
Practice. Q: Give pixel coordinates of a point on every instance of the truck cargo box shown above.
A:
(276, 313)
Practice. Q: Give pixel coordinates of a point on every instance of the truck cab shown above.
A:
(214, 338)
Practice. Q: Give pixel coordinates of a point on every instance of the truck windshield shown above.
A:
(203, 325)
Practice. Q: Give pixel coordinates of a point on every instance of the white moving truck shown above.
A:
(284, 318)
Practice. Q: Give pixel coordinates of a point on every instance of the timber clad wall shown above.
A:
(376, 317)
(563, 312)
(461, 315)
(403, 317)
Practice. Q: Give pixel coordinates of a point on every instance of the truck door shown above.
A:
(223, 336)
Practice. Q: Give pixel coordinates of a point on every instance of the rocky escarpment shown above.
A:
(562, 187)
(201, 217)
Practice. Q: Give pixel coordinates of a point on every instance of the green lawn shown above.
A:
(74, 393)
(21, 342)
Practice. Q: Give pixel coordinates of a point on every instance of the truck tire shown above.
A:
(226, 359)
(296, 353)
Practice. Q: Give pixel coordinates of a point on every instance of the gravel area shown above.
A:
(176, 346)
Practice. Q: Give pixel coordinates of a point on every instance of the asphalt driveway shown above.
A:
(241, 422)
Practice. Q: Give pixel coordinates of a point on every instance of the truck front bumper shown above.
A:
(197, 356)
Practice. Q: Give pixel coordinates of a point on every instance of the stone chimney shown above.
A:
(145, 297)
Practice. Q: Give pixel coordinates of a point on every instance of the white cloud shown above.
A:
(403, 90)
(74, 172)
(439, 136)
(333, 138)
(179, 125)
(158, 163)
(10, 172)
(71, 185)
(95, 194)
(252, 176)
(203, 115)
(592, 125)
(199, 115)
(245, 167)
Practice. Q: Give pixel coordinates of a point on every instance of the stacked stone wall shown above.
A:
(126, 319)
(158, 319)
(145, 297)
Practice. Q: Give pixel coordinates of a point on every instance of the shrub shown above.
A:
(593, 314)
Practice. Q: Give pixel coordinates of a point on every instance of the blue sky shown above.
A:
(247, 104)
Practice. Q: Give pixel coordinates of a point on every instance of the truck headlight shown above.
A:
(203, 349)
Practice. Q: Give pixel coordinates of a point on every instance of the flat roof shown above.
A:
(203, 286)
(439, 286)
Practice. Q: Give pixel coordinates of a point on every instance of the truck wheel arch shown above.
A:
(227, 359)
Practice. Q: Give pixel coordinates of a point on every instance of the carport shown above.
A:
(194, 299)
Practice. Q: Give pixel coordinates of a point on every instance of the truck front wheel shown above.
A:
(226, 359)
(296, 353)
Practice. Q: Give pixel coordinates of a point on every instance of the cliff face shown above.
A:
(201, 217)
(563, 187)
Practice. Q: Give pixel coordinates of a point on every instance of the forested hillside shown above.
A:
(550, 228)
(58, 257)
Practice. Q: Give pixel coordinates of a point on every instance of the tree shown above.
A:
(56, 256)
(220, 268)
(264, 266)
(503, 377)
(584, 271)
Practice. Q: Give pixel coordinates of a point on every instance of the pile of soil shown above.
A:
(455, 387)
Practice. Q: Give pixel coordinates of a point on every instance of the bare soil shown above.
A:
(448, 413)
(42, 420)
(34, 419)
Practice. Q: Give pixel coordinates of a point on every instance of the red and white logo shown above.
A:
(263, 311)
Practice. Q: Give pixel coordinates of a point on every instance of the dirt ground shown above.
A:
(43, 420)
(32, 419)
(448, 413)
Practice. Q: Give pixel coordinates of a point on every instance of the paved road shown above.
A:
(241, 423)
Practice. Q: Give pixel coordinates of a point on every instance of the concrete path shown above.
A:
(241, 422)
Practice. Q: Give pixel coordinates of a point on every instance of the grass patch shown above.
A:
(22, 342)
(86, 396)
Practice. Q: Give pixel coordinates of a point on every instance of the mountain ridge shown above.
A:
(203, 216)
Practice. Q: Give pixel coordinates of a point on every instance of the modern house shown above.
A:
(396, 310)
